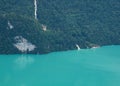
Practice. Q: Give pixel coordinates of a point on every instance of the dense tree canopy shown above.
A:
(87, 23)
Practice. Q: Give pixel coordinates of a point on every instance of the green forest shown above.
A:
(87, 23)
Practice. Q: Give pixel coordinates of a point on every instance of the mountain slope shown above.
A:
(60, 25)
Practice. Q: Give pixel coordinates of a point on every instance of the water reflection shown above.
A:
(23, 61)
(23, 85)
(71, 68)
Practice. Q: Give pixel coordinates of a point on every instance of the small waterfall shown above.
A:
(10, 26)
(35, 4)
(78, 47)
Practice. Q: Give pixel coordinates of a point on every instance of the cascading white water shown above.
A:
(35, 4)
(78, 47)
(10, 26)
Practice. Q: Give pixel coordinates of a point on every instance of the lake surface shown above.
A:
(87, 67)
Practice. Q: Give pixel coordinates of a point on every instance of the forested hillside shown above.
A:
(59, 25)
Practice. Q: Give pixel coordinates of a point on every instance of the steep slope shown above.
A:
(42, 26)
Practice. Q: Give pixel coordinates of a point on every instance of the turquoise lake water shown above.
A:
(87, 67)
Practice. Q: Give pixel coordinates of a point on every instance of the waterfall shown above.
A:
(10, 26)
(78, 47)
(35, 4)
